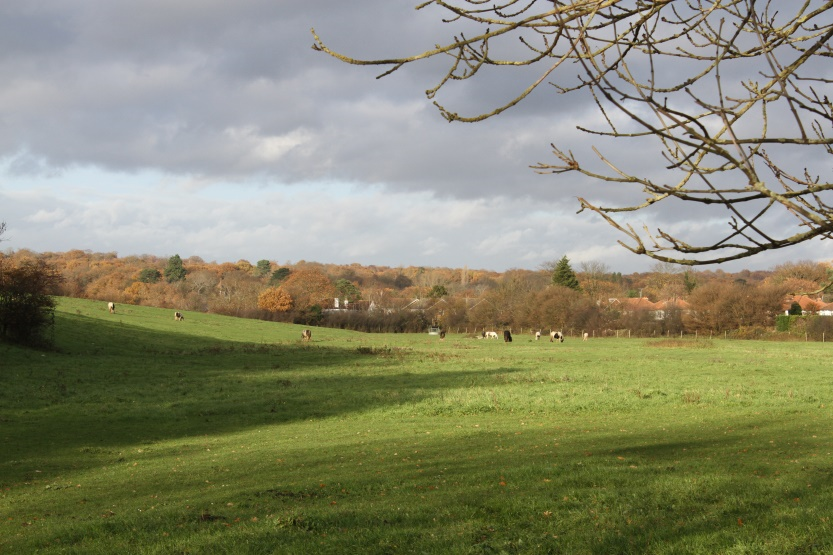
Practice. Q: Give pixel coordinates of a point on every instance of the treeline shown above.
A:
(590, 298)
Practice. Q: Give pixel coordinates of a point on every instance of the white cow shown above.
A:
(491, 335)
(537, 335)
(585, 336)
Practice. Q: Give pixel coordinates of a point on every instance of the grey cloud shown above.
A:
(218, 92)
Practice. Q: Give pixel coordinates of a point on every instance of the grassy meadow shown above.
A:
(140, 434)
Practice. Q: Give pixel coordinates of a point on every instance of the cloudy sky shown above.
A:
(211, 128)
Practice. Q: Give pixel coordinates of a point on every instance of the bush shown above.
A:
(783, 322)
(26, 306)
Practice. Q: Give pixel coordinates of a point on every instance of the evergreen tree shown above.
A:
(263, 268)
(438, 291)
(150, 275)
(279, 275)
(174, 271)
(564, 275)
(689, 282)
(347, 290)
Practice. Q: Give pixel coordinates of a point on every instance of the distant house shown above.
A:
(345, 305)
(658, 310)
(808, 305)
(664, 307)
(826, 310)
(632, 305)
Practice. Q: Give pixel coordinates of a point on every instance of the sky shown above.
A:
(211, 128)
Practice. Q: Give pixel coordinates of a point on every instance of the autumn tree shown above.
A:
(729, 305)
(802, 277)
(310, 288)
(665, 281)
(506, 301)
(598, 282)
(726, 102)
(274, 299)
(26, 304)
(237, 292)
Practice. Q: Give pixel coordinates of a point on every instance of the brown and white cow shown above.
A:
(111, 307)
(178, 316)
(306, 335)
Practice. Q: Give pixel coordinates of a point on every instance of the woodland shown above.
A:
(589, 298)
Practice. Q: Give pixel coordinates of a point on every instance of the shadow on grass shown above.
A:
(113, 384)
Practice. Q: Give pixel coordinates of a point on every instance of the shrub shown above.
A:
(783, 322)
(26, 305)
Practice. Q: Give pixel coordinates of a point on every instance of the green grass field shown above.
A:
(222, 435)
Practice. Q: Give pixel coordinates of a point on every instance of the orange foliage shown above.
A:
(274, 299)
(310, 287)
(136, 292)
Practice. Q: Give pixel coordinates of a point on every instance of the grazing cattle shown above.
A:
(111, 307)
(442, 335)
(178, 316)
(306, 335)
(507, 336)
(537, 335)
(556, 336)
(490, 335)
(585, 336)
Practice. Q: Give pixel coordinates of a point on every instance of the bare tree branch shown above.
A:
(732, 93)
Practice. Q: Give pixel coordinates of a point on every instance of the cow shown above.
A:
(585, 336)
(442, 335)
(490, 335)
(111, 307)
(537, 335)
(556, 336)
(306, 335)
(507, 336)
(178, 316)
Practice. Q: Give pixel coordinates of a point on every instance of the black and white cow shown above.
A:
(111, 307)
(556, 336)
(178, 316)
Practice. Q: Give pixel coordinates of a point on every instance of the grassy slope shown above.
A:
(220, 435)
